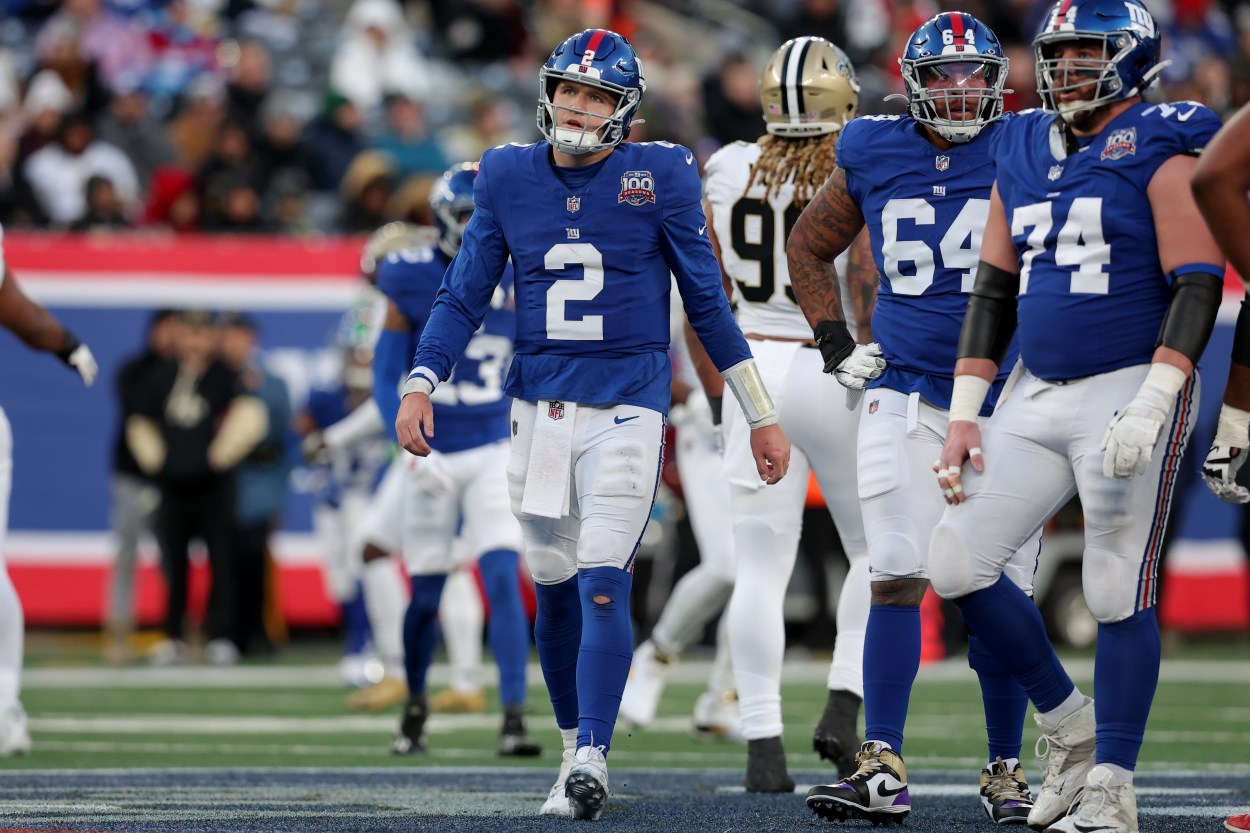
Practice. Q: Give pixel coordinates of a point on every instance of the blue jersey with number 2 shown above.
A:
(592, 267)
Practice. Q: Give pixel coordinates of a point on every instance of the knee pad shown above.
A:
(1109, 581)
(950, 563)
(548, 564)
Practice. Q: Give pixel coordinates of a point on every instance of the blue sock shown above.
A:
(1010, 626)
(606, 654)
(1126, 673)
(1005, 701)
(420, 628)
(891, 659)
(507, 630)
(558, 636)
(356, 631)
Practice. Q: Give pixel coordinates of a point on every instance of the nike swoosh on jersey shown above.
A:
(619, 420)
(702, 228)
(689, 158)
(1185, 116)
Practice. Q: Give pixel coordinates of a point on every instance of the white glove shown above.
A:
(85, 363)
(694, 412)
(1133, 432)
(863, 365)
(313, 448)
(1228, 455)
(432, 475)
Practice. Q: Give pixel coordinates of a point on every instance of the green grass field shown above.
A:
(292, 714)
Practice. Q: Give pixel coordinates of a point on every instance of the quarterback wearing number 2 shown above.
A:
(593, 227)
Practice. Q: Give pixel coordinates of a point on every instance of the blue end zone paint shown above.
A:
(464, 799)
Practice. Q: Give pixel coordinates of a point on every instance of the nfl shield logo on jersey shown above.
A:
(555, 409)
(872, 406)
(573, 204)
(637, 188)
(1121, 143)
(1055, 172)
(942, 162)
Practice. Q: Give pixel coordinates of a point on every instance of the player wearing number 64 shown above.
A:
(593, 228)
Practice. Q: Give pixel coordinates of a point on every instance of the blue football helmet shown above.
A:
(1128, 37)
(602, 59)
(954, 70)
(451, 205)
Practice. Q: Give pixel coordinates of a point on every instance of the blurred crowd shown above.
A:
(330, 116)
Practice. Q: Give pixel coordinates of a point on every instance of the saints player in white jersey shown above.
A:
(39, 330)
(754, 193)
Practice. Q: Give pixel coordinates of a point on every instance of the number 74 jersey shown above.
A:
(1092, 291)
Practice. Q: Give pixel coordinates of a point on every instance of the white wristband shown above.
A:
(1233, 428)
(967, 397)
(420, 380)
(744, 380)
(1162, 383)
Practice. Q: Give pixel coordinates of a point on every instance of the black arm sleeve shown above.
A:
(1191, 314)
(990, 321)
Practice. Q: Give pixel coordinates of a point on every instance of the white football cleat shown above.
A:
(1105, 805)
(716, 716)
(14, 737)
(646, 682)
(1069, 758)
(587, 784)
(557, 803)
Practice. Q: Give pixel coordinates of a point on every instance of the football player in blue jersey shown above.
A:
(1097, 258)
(921, 184)
(1221, 181)
(594, 227)
(460, 484)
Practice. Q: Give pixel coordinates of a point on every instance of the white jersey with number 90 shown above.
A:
(752, 234)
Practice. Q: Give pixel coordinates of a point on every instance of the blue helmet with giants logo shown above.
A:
(598, 58)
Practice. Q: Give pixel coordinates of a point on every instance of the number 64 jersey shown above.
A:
(1092, 291)
(592, 250)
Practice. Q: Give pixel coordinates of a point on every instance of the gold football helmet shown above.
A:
(808, 88)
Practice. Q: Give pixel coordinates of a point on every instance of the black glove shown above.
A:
(835, 343)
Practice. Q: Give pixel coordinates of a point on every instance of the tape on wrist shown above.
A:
(1233, 428)
(967, 397)
(420, 380)
(744, 380)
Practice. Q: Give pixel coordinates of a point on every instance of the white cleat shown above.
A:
(1105, 805)
(716, 716)
(587, 784)
(1069, 758)
(646, 682)
(557, 803)
(14, 737)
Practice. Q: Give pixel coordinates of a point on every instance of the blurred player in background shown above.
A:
(594, 227)
(461, 485)
(754, 192)
(1096, 255)
(921, 184)
(39, 330)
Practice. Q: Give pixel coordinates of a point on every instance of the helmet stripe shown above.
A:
(593, 47)
(957, 32)
(1062, 16)
(792, 79)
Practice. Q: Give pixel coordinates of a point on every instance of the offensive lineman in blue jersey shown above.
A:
(1096, 255)
(594, 227)
(921, 183)
(462, 483)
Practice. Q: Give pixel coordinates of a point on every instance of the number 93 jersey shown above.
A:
(470, 408)
(752, 232)
(1092, 291)
(926, 210)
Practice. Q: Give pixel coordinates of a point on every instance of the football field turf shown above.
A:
(272, 748)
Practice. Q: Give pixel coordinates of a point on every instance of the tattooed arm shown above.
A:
(861, 279)
(824, 230)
